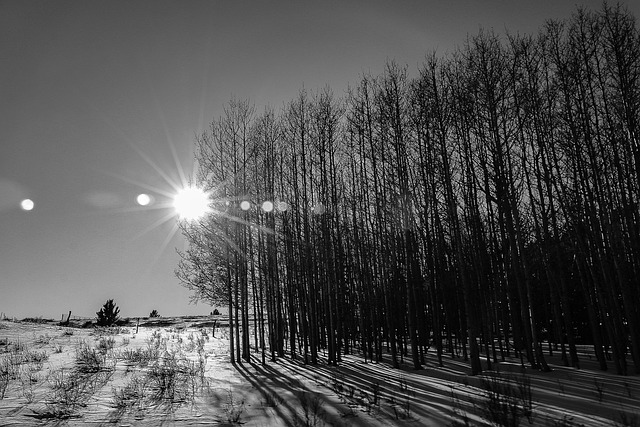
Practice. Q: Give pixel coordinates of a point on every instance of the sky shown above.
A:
(100, 101)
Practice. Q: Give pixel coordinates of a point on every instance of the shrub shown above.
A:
(105, 344)
(154, 313)
(5, 376)
(173, 380)
(108, 314)
(508, 400)
(89, 360)
(234, 407)
(140, 356)
(42, 339)
(38, 319)
(131, 396)
(312, 408)
(70, 391)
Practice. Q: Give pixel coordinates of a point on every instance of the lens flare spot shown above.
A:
(267, 206)
(143, 199)
(191, 203)
(27, 205)
(245, 205)
(319, 209)
(283, 206)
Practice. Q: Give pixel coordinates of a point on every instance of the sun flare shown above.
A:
(191, 203)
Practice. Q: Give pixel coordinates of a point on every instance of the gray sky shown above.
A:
(93, 92)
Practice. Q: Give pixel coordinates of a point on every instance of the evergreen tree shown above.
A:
(108, 314)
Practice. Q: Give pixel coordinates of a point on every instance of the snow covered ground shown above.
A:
(175, 372)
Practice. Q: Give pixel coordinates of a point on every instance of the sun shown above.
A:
(191, 203)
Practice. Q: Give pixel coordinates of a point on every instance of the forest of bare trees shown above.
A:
(486, 207)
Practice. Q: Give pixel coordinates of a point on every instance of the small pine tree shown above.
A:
(215, 312)
(154, 313)
(108, 314)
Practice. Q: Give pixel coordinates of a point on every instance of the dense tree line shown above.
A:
(481, 208)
